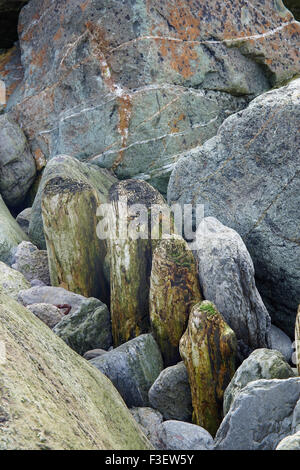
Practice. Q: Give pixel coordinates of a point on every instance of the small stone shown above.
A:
(32, 263)
(48, 314)
(149, 420)
(23, 219)
(93, 353)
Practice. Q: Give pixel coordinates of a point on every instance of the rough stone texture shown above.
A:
(89, 328)
(11, 281)
(208, 349)
(130, 257)
(261, 416)
(261, 364)
(290, 442)
(149, 421)
(177, 435)
(171, 393)
(11, 234)
(248, 178)
(48, 314)
(23, 219)
(51, 398)
(132, 367)
(297, 340)
(93, 353)
(11, 71)
(226, 275)
(281, 342)
(32, 262)
(65, 167)
(53, 296)
(174, 290)
(130, 85)
(17, 166)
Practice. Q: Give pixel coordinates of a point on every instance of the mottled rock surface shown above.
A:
(174, 290)
(261, 364)
(261, 416)
(132, 367)
(48, 314)
(130, 86)
(11, 71)
(208, 349)
(17, 166)
(88, 328)
(226, 276)
(178, 435)
(290, 442)
(248, 178)
(51, 398)
(171, 393)
(149, 420)
(11, 281)
(32, 263)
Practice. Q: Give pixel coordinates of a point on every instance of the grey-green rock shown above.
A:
(171, 393)
(11, 234)
(51, 398)
(32, 262)
(248, 178)
(261, 364)
(132, 367)
(260, 417)
(88, 328)
(48, 314)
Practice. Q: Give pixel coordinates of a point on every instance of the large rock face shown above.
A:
(11, 281)
(132, 367)
(51, 398)
(11, 234)
(17, 166)
(227, 278)
(131, 85)
(248, 178)
(261, 416)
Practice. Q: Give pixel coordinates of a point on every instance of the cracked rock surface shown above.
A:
(248, 178)
(132, 85)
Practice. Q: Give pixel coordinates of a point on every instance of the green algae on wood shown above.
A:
(208, 349)
(174, 289)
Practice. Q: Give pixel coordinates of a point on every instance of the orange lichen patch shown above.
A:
(124, 110)
(180, 55)
(58, 34)
(174, 125)
(40, 159)
(39, 57)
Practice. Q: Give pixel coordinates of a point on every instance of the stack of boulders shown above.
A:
(120, 122)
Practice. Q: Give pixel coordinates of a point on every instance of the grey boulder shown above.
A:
(171, 394)
(248, 178)
(32, 262)
(290, 442)
(178, 435)
(260, 417)
(17, 165)
(261, 364)
(48, 314)
(226, 276)
(132, 367)
(89, 328)
(88, 355)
